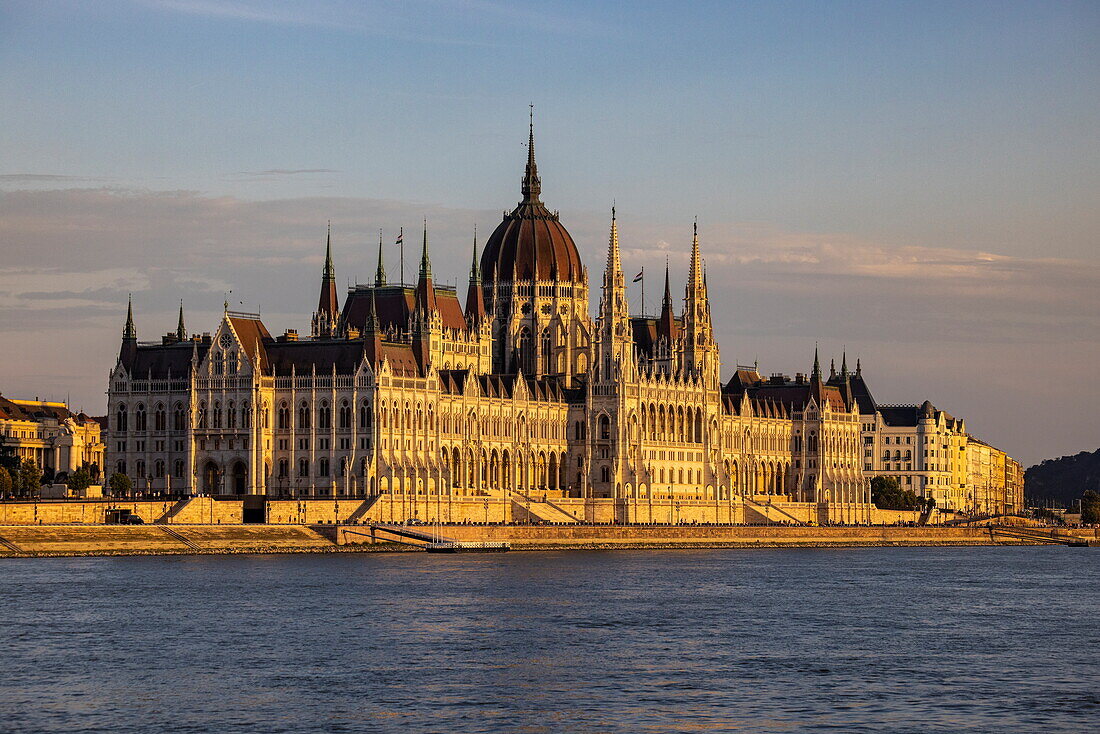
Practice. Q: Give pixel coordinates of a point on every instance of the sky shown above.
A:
(915, 182)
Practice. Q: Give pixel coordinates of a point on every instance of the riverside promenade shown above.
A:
(104, 540)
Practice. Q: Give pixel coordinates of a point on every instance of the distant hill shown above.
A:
(1063, 480)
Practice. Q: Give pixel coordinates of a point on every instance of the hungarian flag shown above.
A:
(638, 276)
(400, 239)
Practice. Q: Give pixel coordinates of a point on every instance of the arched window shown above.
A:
(246, 415)
(345, 415)
(177, 469)
(231, 415)
(605, 474)
(160, 418)
(546, 349)
(121, 422)
(303, 467)
(284, 468)
(217, 415)
(158, 468)
(322, 467)
(282, 420)
(303, 415)
(364, 415)
(178, 423)
(605, 428)
(202, 415)
(525, 349)
(139, 418)
(324, 415)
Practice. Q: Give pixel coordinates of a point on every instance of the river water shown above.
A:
(888, 639)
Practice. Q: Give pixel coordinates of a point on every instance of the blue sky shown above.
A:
(937, 157)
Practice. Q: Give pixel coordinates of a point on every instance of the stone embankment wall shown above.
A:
(597, 536)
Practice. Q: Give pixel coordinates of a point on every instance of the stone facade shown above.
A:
(515, 400)
(51, 435)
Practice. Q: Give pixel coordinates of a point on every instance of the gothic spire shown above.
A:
(815, 376)
(844, 364)
(425, 291)
(129, 332)
(330, 272)
(327, 304)
(614, 264)
(425, 262)
(475, 297)
(532, 186)
(371, 326)
(181, 330)
(475, 269)
(832, 368)
(380, 273)
(859, 368)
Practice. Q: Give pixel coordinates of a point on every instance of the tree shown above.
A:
(8, 460)
(120, 484)
(1090, 507)
(887, 494)
(79, 481)
(5, 482)
(48, 476)
(30, 478)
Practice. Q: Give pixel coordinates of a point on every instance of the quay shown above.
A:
(160, 539)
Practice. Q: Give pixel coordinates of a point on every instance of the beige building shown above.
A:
(407, 393)
(996, 479)
(51, 435)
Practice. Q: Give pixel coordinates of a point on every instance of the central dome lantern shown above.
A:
(530, 244)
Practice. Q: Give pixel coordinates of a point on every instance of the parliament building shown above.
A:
(511, 398)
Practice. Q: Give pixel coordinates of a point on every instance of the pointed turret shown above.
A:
(844, 365)
(129, 332)
(425, 291)
(380, 273)
(128, 351)
(532, 186)
(859, 368)
(328, 308)
(832, 369)
(815, 375)
(666, 324)
(475, 298)
(181, 330)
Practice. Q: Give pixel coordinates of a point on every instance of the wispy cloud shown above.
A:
(280, 172)
(401, 21)
(31, 178)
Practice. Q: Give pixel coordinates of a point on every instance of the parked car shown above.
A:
(132, 520)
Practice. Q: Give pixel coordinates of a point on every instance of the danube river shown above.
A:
(907, 640)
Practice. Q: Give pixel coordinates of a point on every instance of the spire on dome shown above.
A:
(128, 331)
(181, 330)
(844, 364)
(532, 186)
(380, 273)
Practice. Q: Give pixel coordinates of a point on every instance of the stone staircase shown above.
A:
(542, 509)
(174, 510)
(768, 513)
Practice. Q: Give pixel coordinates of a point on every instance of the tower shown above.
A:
(700, 352)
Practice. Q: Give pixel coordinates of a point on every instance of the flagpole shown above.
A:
(401, 244)
(643, 291)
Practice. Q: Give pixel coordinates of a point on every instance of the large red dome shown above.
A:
(531, 244)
